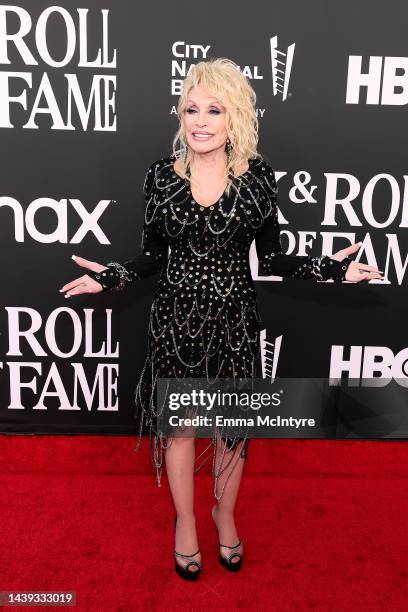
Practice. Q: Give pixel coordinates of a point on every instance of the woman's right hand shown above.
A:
(84, 284)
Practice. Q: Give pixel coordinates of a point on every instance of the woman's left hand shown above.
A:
(357, 271)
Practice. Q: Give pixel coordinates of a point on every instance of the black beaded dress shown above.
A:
(204, 320)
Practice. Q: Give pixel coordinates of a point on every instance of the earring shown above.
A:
(228, 148)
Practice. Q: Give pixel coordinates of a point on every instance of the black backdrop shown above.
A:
(71, 183)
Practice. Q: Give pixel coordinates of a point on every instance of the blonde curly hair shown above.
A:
(222, 78)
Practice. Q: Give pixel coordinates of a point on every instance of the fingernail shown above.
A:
(73, 256)
(60, 290)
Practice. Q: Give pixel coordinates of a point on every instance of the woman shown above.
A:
(208, 201)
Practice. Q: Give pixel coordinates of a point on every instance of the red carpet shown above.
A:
(324, 524)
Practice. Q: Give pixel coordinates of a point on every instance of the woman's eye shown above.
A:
(213, 110)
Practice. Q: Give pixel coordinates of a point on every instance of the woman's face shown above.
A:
(205, 122)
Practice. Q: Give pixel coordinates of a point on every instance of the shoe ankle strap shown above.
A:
(236, 545)
(188, 556)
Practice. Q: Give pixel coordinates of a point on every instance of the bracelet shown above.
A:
(123, 273)
(339, 268)
(107, 278)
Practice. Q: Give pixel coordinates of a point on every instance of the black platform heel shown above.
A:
(184, 572)
(232, 566)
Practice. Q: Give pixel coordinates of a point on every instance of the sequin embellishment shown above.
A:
(204, 320)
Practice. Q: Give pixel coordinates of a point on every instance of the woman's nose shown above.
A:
(201, 122)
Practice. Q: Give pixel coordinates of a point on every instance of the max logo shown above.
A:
(27, 220)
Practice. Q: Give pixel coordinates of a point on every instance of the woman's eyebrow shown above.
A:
(211, 103)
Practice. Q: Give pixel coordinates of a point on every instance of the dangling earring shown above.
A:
(187, 166)
(185, 152)
(228, 148)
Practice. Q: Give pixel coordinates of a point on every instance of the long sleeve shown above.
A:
(271, 259)
(153, 252)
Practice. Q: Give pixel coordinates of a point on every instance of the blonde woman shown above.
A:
(208, 201)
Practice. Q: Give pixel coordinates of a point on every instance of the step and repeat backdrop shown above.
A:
(88, 94)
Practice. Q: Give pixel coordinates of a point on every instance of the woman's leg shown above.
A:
(223, 511)
(179, 459)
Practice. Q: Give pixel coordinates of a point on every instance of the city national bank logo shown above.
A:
(281, 62)
(368, 365)
(384, 80)
(270, 349)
